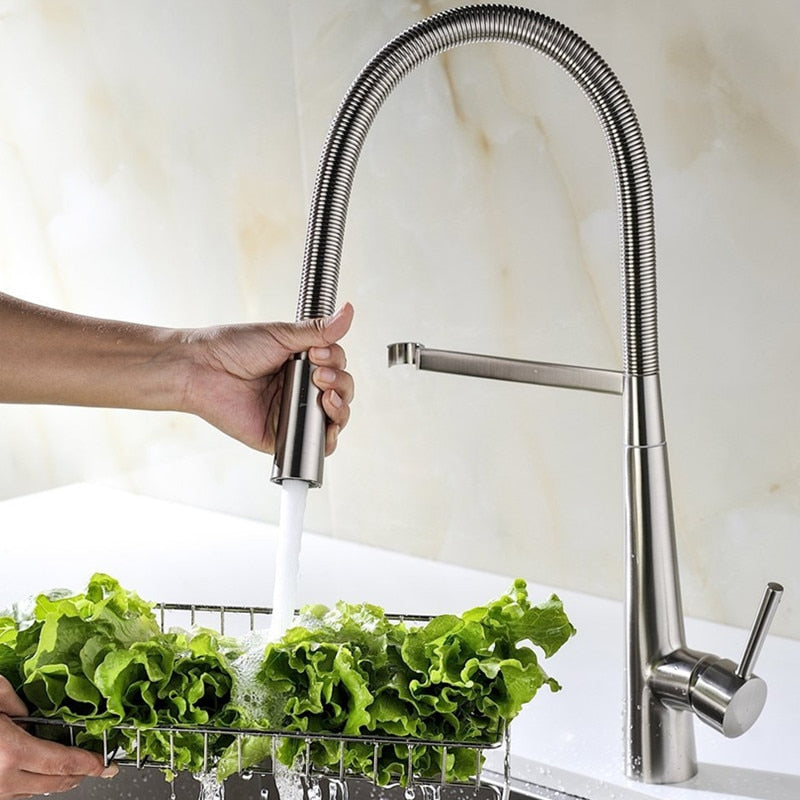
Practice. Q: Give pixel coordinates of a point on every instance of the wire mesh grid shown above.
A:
(238, 620)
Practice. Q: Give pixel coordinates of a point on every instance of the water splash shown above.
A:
(287, 561)
(287, 782)
(210, 787)
(314, 789)
(338, 789)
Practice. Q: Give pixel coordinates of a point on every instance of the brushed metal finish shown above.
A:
(666, 683)
(726, 696)
(402, 353)
(468, 25)
(644, 415)
(758, 634)
(659, 743)
(300, 438)
(727, 702)
(473, 365)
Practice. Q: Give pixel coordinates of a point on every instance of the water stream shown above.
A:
(287, 561)
(284, 602)
(288, 782)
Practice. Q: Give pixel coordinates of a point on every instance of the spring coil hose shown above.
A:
(519, 26)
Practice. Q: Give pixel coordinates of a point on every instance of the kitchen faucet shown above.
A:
(666, 682)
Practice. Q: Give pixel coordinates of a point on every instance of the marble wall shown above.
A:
(157, 159)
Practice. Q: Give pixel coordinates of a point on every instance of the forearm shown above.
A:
(49, 356)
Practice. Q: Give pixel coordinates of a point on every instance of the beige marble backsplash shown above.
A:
(157, 159)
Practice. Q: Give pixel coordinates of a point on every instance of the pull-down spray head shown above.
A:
(300, 438)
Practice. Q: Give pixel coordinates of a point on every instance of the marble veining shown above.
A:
(157, 161)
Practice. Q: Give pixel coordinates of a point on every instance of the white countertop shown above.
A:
(570, 740)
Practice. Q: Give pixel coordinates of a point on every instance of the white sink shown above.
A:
(570, 741)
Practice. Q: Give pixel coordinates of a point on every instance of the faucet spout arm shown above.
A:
(542, 373)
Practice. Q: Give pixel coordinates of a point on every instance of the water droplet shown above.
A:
(265, 794)
(210, 788)
(246, 775)
(314, 790)
(410, 794)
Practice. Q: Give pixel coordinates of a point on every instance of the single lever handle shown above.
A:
(769, 605)
(729, 697)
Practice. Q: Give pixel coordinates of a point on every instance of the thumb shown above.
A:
(10, 702)
(320, 331)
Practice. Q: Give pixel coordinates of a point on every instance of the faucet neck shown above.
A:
(520, 26)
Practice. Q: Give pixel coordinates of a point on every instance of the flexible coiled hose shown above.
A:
(528, 28)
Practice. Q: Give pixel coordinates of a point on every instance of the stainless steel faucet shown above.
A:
(665, 680)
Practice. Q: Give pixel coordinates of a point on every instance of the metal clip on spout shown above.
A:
(300, 438)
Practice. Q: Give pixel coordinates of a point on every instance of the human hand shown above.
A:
(237, 376)
(31, 766)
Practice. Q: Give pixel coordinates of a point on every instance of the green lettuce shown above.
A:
(9, 662)
(351, 671)
(99, 658)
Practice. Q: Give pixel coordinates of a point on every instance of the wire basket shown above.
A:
(238, 620)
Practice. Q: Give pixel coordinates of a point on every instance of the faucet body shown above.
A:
(664, 679)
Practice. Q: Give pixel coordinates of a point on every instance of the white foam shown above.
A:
(287, 782)
(247, 693)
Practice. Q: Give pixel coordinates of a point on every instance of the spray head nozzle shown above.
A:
(300, 438)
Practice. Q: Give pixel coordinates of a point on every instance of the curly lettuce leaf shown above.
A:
(9, 661)
(70, 637)
(463, 678)
(100, 658)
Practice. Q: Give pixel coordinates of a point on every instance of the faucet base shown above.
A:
(660, 743)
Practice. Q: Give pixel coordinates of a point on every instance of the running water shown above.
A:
(287, 562)
(210, 787)
(287, 782)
